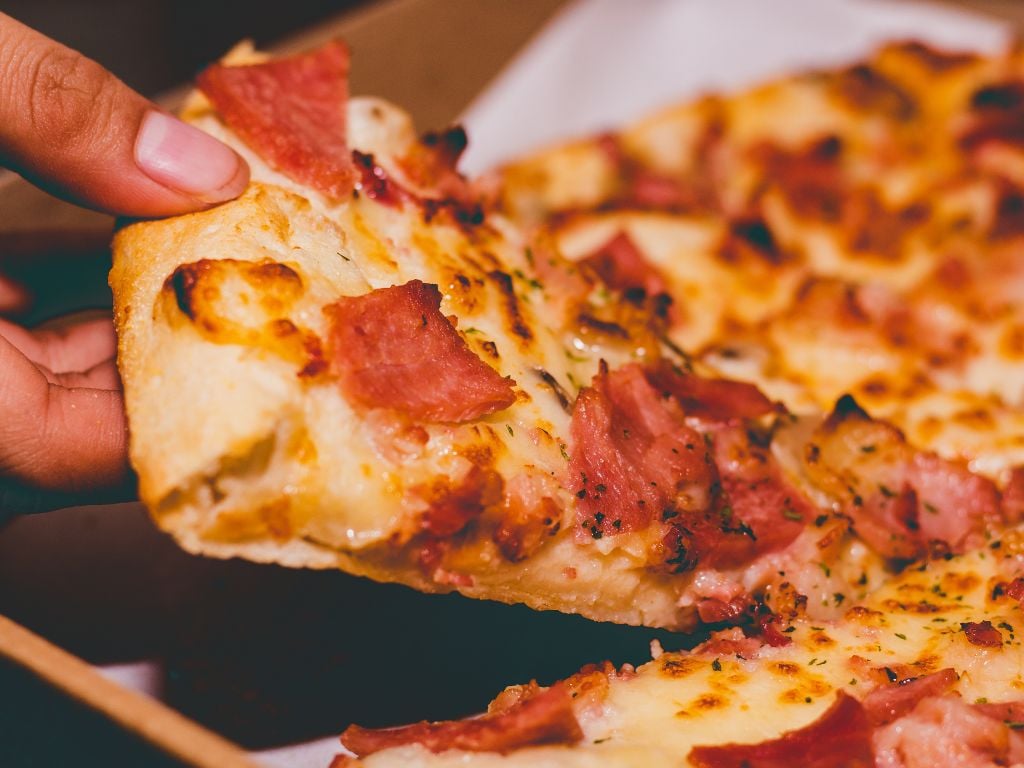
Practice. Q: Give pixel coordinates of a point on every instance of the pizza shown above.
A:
(924, 673)
(750, 367)
(850, 231)
(603, 380)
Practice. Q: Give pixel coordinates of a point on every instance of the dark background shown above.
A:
(154, 45)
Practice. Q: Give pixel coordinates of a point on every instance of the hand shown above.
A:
(75, 130)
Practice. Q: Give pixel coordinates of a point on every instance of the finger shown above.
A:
(101, 376)
(74, 343)
(76, 130)
(54, 438)
(14, 297)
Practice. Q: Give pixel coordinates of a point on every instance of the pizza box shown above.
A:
(119, 648)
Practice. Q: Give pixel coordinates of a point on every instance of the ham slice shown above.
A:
(544, 718)
(392, 348)
(291, 112)
(840, 738)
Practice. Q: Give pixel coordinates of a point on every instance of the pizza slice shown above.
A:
(924, 673)
(362, 363)
(865, 223)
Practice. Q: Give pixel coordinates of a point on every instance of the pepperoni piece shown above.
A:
(634, 460)
(392, 348)
(291, 112)
(545, 718)
(894, 700)
(840, 738)
(982, 633)
(713, 399)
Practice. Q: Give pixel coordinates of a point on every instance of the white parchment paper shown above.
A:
(600, 63)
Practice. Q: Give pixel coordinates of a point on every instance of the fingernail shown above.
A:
(184, 158)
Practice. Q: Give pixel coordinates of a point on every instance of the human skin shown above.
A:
(75, 130)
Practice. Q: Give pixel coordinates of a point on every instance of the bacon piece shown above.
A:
(768, 623)
(705, 398)
(376, 183)
(634, 460)
(452, 506)
(712, 610)
(1015, 589)
(1007, 711)
(840, 738)
(893, 700)
(947, 732)
(622, 266)
(901, 501)
(291, 112)
(729, 642)
(544, 718)
(643, 188)
(1013, 497)
(756, 511)
(529, 517)
(392, 348)
(431, 164)
(982, 633)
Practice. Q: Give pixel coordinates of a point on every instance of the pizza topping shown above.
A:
(544, 718)
(707, 398)
(896, 697)
(712, 610)
(375, 183)
(431, 164)
(757, 510)
(947, 731)
(633, 459)
(901, 501)
(291, 112)
(530, 516)
(982, 633)
(392, 348)
(453, 505)
(622, 266)
(729, 642)
(840, 738)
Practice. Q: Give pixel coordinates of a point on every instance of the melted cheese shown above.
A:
(682, 700)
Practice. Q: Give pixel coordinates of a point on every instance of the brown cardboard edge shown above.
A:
(158, 724)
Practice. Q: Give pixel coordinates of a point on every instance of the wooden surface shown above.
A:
(160, 726)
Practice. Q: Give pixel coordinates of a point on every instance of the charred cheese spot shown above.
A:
(247, 303)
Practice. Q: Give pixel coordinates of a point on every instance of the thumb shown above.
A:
(77, 131)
